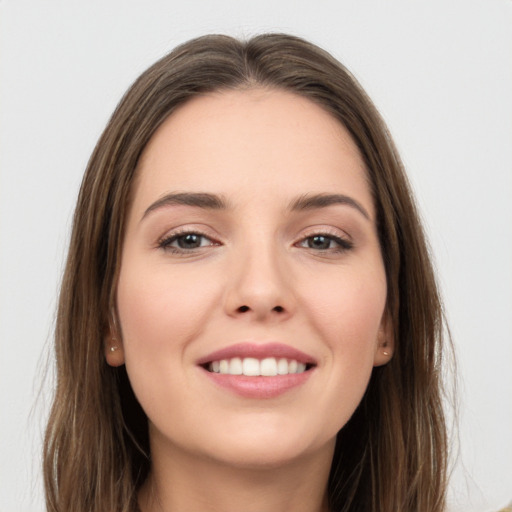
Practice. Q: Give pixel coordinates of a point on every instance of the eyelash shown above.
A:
(341, 244)
(166, 242)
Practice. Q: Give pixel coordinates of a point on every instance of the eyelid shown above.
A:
(343, 239)
(326, 230)
(164, 242)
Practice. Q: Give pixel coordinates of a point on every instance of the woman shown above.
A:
(248, 319)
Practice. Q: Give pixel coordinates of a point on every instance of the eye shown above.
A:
(184, 242)
(325, 242)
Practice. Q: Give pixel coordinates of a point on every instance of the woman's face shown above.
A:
(251, 247)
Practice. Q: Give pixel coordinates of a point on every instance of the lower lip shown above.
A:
(259, 387)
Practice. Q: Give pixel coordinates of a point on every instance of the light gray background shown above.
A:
(441, 73)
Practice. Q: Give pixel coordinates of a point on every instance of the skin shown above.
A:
(257, 276)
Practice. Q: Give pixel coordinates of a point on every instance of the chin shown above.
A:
(256, 458)
(266, 447)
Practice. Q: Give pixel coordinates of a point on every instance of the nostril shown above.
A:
(244, 309)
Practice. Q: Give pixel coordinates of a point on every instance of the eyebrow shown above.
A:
(214, 202)
(311, 202)
(197, 199)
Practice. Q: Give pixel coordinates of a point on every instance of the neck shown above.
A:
(179, 482)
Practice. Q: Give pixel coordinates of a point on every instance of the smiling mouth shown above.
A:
(258, 371)
(253, 367)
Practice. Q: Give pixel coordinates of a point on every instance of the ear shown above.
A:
(113, 345)
(385, 341)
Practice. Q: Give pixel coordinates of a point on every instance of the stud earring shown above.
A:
(385, 353)
(113, 348)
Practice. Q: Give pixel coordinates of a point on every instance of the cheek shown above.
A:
(160, 310)
(159, 313)
(353, 308)
(348, 319)
(348, 314)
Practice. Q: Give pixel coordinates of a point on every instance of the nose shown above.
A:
(260, 287)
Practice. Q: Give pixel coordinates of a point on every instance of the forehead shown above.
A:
(259, 141)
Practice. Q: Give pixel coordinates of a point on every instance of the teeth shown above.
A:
(268, 367)
(250, 366)
(223, 366)
(235, 366)
(282, 367)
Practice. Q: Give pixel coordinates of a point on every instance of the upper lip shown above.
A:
(258, 351)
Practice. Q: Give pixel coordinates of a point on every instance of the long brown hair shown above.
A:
(391, 455)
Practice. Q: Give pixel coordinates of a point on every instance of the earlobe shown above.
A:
(114, 353)
(385, 341)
